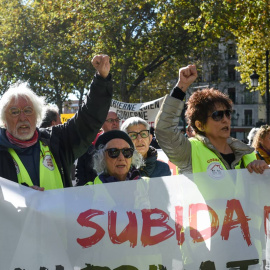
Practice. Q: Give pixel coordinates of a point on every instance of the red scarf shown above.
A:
(22, 144)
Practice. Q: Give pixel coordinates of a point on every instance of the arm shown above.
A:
(257, 166)
(176, 146)
(74, 137)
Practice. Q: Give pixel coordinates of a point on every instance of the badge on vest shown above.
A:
(215, 170)
(48, 163)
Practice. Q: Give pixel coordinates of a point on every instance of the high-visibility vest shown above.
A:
(95, 182)
(49, 175)
(204, 159)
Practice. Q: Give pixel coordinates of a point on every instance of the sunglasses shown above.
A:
(143, 133)
(115, 152)
(14, 112)
(218, 115)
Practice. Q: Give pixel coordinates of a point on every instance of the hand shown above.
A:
(102, 64)
(257, 166)
(187, 75)
(37, 188)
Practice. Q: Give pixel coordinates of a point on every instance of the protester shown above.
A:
(42, 158)
(209, 114)
(190, 131)
(51, 117)
(115, 158)
(261, 143)
(138, 130)
(84, 171)
(251, 135)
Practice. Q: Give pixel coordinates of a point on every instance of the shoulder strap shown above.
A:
(259, 155)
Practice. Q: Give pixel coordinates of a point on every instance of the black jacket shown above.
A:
(69, 141)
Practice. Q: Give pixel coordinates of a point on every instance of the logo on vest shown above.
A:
(48, 163)
(215, 170)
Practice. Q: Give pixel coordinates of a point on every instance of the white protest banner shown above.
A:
(178, 222)
(146, 111)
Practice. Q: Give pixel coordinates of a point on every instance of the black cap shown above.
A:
(104, 138)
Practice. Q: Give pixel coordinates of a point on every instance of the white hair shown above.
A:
(100, 164)
(17, 90)
(134, 121)
(251, 135)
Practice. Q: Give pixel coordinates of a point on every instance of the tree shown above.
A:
(248, 22)
(37, 45)
(141, 36)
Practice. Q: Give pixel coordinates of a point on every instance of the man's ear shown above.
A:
(199, 125)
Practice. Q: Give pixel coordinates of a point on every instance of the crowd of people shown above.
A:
(42, 157)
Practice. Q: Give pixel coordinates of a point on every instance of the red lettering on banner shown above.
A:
(266, 217)
(128, 234)
(148, 223)
(180, 235)
(84, 220)
(242, 220)
(200, 236)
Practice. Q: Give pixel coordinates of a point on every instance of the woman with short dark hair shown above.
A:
(209, 114)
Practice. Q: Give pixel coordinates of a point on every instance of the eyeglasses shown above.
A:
(14, 112)
(218, 115)
(111, 120)
(143, 133)
(115, 152)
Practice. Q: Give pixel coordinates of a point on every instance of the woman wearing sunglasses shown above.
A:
(139, 132)
(115, 158)
(209, 114)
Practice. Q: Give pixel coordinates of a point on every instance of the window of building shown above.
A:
(231, 72)
(231, 94)
(214, 73)
(231, 51)
(248, 118)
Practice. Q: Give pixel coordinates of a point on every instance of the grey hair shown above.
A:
(251, 135)
(21, 89)
(100, 164)
(134, 121)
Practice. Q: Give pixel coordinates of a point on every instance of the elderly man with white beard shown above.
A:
(42, 158)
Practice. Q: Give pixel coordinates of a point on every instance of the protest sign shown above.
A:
(177, 222)
(146, 111)
(66, 116)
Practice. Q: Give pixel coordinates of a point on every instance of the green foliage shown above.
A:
(51, 43)
(248, 22)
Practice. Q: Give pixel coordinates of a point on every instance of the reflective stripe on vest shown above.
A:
(202, 157)
(49, 175)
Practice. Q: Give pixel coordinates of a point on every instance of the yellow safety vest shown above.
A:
(49, 175)
(95, 182)
(203, 159)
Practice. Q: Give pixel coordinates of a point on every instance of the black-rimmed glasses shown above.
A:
(115, 152)
(143, 133)
(111, 120)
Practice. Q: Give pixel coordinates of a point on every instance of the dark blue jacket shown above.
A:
(154, 167)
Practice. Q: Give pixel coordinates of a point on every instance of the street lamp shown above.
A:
(254, 78)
